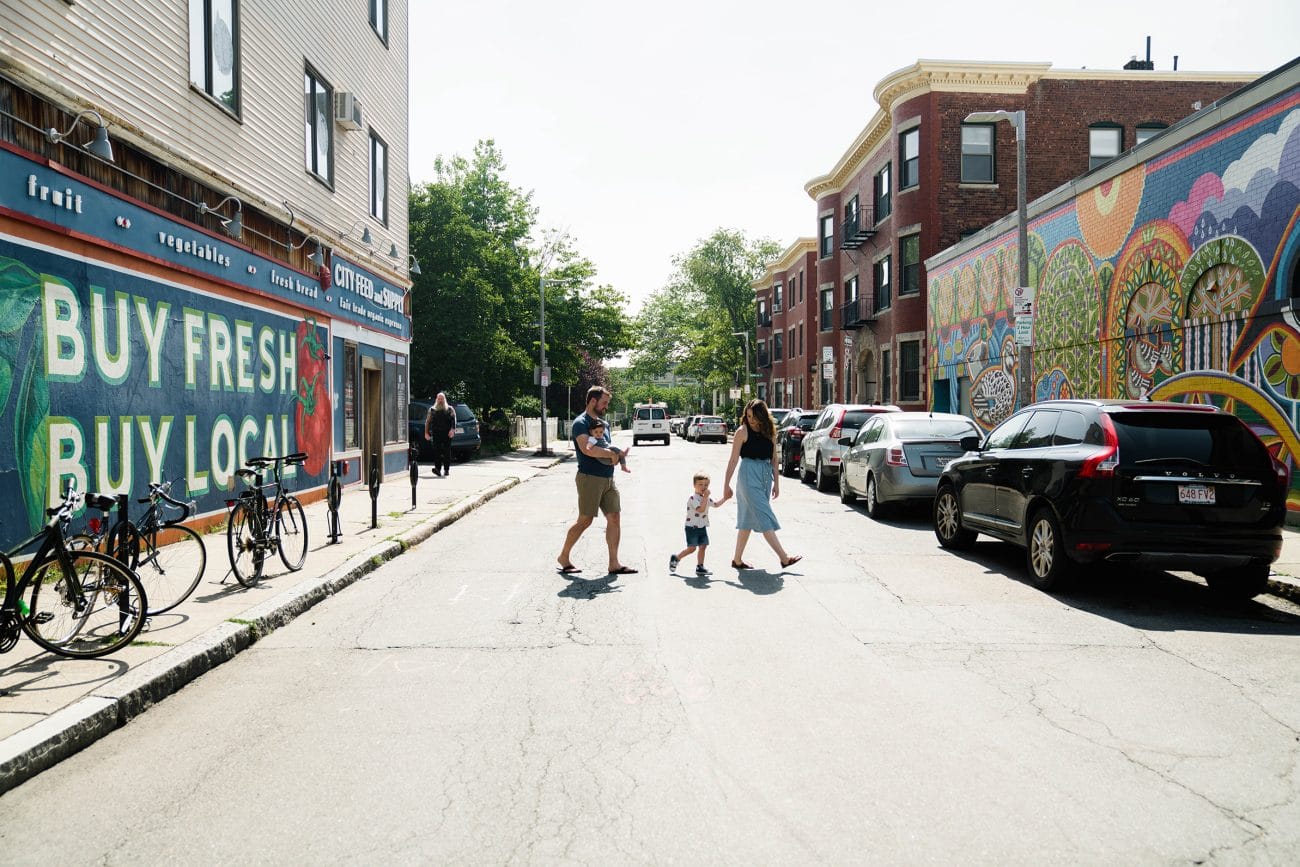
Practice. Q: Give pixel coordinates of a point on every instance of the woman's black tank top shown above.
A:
(756, 446)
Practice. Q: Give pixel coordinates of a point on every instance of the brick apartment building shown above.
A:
(918, 179)
(787, 319)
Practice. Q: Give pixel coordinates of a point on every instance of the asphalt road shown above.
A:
(884, 701)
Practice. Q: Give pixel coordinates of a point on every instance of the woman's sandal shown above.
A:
(741, 565)
(788, 563)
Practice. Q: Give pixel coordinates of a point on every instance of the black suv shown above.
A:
(1154, 485)
(789, 438)
(465, 442)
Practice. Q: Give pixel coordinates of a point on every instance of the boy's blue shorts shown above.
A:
(696, 536)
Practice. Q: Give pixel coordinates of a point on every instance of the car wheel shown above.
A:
(875, 508)
(846, 494)
(786, 469)
(823, 480)
(804, 475)
(947, 521)
(1245, 582)
(1049, 567)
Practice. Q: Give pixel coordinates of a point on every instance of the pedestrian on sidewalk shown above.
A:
(697, 525)
(595, 481)
(439, 428)
(758, 483)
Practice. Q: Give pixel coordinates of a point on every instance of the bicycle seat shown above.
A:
(100, 501)
(247, 474)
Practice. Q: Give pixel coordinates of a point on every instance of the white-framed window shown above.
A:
(214, 50)
(909, 254)
(851, 289)
(883, 289)
(828, 309)
(1147, 130)
(882, 192)
(318, 142)
(909, 370)
(379, 18)
(827, 235)
(1104, 143)
(977, 142)
(776, 296)
(909, 159)
(378, 178)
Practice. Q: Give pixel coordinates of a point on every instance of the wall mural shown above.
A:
(1171, 280)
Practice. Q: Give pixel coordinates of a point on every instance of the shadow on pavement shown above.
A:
(760, 582)
(581, 588)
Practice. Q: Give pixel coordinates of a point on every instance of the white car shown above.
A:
(821, 445)
(650, 422)
(708, 427)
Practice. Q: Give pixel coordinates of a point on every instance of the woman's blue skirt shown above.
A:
(754, 495)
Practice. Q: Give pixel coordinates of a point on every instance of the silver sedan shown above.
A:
(897, 457)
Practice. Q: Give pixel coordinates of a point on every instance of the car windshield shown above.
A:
(856, 418)
(933, 427)
(1205, 439)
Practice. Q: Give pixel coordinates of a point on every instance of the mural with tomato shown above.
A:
(313, 421)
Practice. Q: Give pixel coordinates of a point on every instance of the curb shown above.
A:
(1285, 587)
(69, 730)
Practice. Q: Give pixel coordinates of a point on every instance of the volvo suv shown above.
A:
(1154, 485)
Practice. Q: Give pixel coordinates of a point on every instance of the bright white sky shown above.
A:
(642, 127)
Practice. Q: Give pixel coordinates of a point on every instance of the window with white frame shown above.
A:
(851, 289)
(214, 50)
(977, 141)
(318, 142)
(379, 18)
(1104, 142)
(909, 370)
(909, 251)
(1147, 130)
(776, 297)
(883, 289)
(828, 309)
(882, 193)
(851, 213)
(909, 159)
(378, 178)
(827, 235)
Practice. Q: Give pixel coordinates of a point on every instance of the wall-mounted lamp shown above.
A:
(392, 252)
(365, 233)
(233, 226)
(99, 145)
(413, 265)
(317, 258)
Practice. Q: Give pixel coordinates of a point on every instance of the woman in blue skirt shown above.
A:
(757, 484)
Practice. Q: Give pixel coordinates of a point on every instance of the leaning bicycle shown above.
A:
(260, 523)
(81, 604)
(169, 557)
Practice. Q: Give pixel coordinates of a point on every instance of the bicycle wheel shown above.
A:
(123, 544)
(82, 542)
(243, 532)
(291, 533)
(170, 572)
(94, 611)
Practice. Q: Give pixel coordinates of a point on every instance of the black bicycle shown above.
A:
(259, 524)
(81, 604)
(168, 557)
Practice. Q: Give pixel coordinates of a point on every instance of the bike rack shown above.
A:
(373, 479)
(334, 496)
(413, 466)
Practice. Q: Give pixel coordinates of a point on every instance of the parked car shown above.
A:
(686, 426)
(897, 457)
(675, 424)
(789, 438)
(1149, 484)
(650, 422)
(708, 427)
(778, 414)
(820, 460)
(465, 443)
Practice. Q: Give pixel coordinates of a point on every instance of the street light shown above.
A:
(543, 376)
(1017, 120)
(745, 382)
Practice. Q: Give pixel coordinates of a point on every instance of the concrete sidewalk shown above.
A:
(51, 706)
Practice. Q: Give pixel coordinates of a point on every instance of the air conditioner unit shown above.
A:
(347, 110)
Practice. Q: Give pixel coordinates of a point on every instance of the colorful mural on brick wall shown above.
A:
(1173, 280)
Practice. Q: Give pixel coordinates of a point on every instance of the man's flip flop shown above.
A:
(568, 570)
(623, 570)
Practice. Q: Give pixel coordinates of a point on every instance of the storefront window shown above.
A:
(351, 432)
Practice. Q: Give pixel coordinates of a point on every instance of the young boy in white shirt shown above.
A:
(697, 525)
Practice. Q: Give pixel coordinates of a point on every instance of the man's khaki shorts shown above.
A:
(597, 493)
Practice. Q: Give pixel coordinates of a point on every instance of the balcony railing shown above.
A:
(764, 319)
(856, 232)
(856, 313)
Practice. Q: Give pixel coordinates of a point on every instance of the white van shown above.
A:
(650, 422)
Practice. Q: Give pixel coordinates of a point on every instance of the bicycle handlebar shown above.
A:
(63, 512)
(266, 461)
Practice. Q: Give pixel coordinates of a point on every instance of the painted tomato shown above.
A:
(312, 418)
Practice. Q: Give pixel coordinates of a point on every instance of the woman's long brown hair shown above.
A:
(762, 418)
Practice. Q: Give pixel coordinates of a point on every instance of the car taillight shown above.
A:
(795, 434)
(1102, 465)
(1283, 475)
(836, 432)
(895, 457)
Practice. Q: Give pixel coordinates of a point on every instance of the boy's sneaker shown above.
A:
(672, 562)
(700, 570)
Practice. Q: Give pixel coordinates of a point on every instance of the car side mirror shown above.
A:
(846, 441)
(969, 444)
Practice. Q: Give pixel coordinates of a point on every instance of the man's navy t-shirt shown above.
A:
(586, 463)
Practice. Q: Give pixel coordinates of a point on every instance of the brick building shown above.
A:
(918, 179)
(203, 244)
(786, 318)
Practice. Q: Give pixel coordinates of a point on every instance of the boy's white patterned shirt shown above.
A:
(692, 519)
